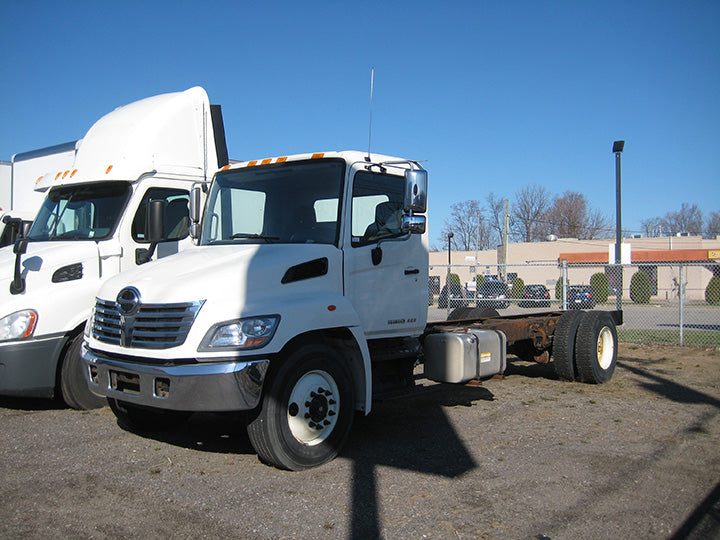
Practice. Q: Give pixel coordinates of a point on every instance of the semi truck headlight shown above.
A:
(250, 333)
(18, 325)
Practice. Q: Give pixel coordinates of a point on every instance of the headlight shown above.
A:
(18, 325)
(250, 333)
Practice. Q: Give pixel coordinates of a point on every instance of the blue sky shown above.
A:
(492, 95)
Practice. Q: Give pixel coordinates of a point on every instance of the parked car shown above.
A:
(535, 296)
(580, 297)
(459, 296)
(494, 294)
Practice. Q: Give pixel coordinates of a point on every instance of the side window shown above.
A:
(177, 219)
(377, 207)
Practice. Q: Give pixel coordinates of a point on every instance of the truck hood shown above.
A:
(300, 283)
(43, 259)
(244, 274)
(53, 272)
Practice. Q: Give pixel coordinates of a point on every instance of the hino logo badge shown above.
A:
(128, 301)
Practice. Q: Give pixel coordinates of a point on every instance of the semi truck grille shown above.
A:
(153, 326)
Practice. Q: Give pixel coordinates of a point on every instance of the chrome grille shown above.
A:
(154, 326)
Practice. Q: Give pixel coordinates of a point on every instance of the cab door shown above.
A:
(177, 222)
(386, 272)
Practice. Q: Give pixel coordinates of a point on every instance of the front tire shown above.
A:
(307, 411)
(596, 347)
(73, 386)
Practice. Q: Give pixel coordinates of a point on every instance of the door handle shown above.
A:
(410, 271)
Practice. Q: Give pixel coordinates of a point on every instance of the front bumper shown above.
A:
(214, 386)
(28, 367)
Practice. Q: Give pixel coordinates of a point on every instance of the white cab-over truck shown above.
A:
(22, 189)
(135, 165)
(305, 299)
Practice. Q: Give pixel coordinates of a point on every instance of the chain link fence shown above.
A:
(662, 303)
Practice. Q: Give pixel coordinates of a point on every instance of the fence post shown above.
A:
(564, 284)
(681, 294)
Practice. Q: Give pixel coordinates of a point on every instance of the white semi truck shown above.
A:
(305, 300)
(135, 164)
(21, 193)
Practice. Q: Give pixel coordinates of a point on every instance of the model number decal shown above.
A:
(401, 321)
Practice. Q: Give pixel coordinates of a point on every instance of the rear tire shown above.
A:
(73, 386)
(564, 338)
(307, 411)
(596, 347)
(136, 418)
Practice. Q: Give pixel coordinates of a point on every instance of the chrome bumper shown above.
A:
(214, 386)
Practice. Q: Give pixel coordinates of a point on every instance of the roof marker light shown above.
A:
(318, 155)
(65, 174)
(109, 169)
(58, 175)
(265, 161)
(73, 173)
(38, 180)
(225, 168)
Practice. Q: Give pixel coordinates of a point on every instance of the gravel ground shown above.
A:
(527, 456)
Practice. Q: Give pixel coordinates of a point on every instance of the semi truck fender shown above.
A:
(308, 313)
(304, 313)
(359, 336)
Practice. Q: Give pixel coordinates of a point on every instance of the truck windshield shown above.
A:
(294, 203)
(81, 212)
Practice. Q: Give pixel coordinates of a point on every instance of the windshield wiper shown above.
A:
(246, 236)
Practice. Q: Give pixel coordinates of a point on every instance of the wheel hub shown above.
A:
(313, 407)
(605, 348)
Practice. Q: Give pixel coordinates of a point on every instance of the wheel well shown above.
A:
(340, 339)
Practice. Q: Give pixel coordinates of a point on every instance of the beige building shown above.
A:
(541, 262)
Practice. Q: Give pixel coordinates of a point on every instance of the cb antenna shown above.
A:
(372, 80)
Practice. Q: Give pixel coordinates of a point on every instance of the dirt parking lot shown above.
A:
(526, 457)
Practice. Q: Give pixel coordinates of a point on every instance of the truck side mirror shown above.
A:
(17, 285)
(413, 224)
(156, 220)
(416, 190)
(195, 208)
(154, 228)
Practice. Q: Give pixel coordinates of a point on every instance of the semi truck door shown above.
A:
(385, 273)
(177, 222)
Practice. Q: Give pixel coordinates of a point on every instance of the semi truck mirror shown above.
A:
(156, 220)
(413, 224)
(194, 209)
(17, 285)
(416, 190)
(154, 229)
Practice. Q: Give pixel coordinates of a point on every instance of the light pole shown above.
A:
(450, 235)
(617, 150)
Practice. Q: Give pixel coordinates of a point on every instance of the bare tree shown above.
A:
(468, 226)
(567, 215)
(652, 227)
(527, 211)
(688, 219)
(712, 229)
(496, 216)
(597, 225)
